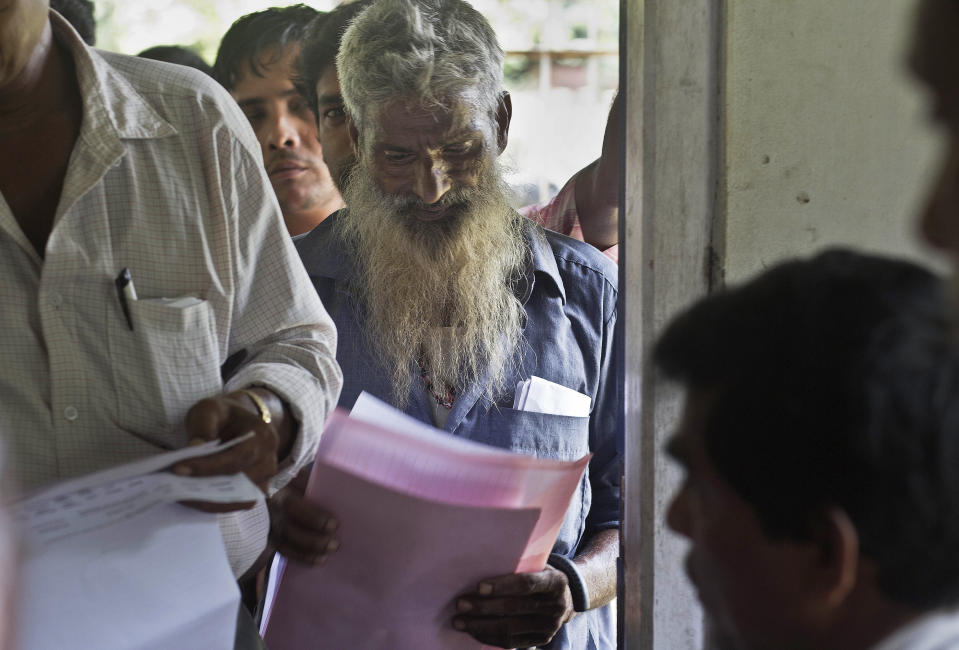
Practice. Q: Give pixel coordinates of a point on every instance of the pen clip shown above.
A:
(124, 285)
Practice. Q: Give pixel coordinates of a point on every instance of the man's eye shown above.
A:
(397, 156)
(334, 113)
(458, 149)
(298, 105)
(255, 116)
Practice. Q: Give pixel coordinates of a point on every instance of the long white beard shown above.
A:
(417, 277)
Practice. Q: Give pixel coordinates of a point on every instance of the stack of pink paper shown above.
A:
(424, 516)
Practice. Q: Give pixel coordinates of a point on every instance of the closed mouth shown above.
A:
(431, 212)
(286, 167)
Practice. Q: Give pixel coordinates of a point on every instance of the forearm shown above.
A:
(305, 377)
(597, 204)
(282, 419)
(597, 565)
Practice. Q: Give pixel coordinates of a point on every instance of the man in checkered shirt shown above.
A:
(117, 166)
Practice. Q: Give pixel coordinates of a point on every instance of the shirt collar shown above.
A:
(542, 262)
(935, 630)
(110, 103)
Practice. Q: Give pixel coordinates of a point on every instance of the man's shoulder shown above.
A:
(320, 251)
(149, 77)
(187, 98)
(580, 261)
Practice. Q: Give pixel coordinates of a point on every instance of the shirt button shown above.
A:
(70, 413)
(56, 300)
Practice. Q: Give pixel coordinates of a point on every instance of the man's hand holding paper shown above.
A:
(429, 517)
(230, 416)
(299, 529)
(517, 610)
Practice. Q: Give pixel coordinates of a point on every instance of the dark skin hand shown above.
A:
(528, 609)
(299, 530)
(229, 416)
(511, 611)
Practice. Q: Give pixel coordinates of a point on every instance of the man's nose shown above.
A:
(939, 222)
(677, 514)
(431, 181)
(283, 133)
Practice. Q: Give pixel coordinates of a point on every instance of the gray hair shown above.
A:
(424, 51)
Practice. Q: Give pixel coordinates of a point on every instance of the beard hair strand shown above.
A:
(417, 279)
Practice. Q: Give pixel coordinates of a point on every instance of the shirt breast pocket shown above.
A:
(168, 361)
(543, 435)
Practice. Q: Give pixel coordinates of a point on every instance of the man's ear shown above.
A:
(839, 563)
(504, 113)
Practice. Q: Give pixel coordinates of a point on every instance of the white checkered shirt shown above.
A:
(166, 179)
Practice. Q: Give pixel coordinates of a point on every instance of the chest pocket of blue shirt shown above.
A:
(163, 366)
(545, 436)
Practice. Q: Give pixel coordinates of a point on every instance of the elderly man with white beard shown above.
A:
(445, 298)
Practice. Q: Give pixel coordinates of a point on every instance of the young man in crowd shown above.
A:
(255, 62)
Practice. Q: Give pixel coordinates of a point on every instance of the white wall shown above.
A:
(825, 140)
(759, 130)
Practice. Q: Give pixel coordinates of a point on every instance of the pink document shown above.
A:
(424, 516)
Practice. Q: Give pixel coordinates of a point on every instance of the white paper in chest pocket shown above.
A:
(180, 302)
(543, 396)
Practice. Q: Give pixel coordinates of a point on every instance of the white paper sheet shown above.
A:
(45, 519)
(112, 562)
(543, 396)
(155, 581)
(137, 468)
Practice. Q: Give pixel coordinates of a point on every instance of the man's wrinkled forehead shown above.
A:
(452, 116)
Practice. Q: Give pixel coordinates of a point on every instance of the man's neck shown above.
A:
(298, 223)
(39, 90)
(40, 117)
(865, 623)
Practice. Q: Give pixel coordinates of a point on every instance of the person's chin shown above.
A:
(294, 189)
(292, 200)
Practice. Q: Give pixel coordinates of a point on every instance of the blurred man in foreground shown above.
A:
(935, 61)
(819, 440)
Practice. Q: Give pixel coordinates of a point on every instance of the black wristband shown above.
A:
(577, 586)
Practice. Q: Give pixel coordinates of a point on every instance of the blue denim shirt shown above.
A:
(569, 294)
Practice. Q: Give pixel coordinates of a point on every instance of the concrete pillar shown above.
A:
(671, 79)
